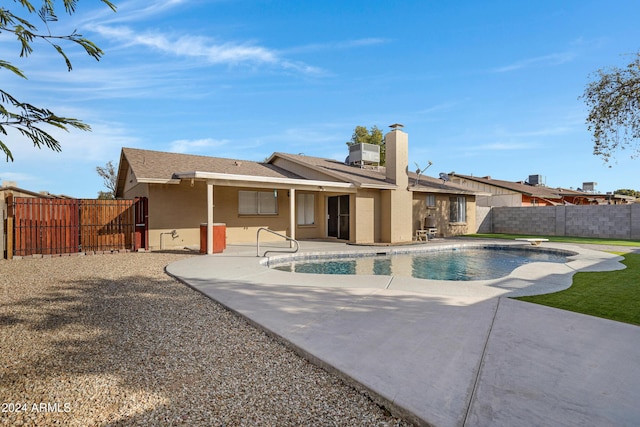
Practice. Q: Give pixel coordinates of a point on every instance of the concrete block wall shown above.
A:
(599, 221)
(561, 221)
(603, 221)
(635, 221)
(528, 220)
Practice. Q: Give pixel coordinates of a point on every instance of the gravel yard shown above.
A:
(112, 340)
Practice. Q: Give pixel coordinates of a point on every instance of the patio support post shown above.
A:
(292, 214)
(209, 217)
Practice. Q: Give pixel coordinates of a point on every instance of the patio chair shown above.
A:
(428, 230)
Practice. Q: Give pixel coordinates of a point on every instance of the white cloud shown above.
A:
(17, 177)
(540, 61)
(548, 131)
(210, 50)
(130, 11)
(196, 145)
(339, 45)
(99, 145)
(198, 47)
(446, 106)
(505, 146)
(501, 139)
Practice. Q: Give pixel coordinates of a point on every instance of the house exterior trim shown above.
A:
(242, 180)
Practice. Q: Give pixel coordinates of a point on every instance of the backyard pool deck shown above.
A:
(442, 353)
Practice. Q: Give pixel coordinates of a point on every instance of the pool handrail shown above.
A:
(291, 239)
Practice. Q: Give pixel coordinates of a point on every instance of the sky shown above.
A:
(482, 88)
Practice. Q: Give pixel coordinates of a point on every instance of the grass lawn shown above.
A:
(613, 295)
(562, 239)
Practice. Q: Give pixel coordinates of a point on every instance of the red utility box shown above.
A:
(219, 237)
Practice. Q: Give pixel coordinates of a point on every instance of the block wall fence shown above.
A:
(603, 221)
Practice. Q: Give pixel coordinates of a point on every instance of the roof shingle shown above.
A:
(148, 164)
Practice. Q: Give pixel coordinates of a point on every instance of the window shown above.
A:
(258, 202)
(458, 209)
(431, 200)
(306, 209)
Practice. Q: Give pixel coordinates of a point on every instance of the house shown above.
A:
(496, 192)
(300, 196)
(11, 187)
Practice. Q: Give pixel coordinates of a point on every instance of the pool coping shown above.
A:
(522, 281)
(395, 338)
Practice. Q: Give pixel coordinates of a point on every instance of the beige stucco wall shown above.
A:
(179, 207)
(132, 188)
(396, 205)
(396, 216)
(397, 158)
(375, 215)
(183, 208)
(441, 215)
(171, 207)
(366, 217)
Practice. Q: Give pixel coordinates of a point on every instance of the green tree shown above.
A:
(109, 179)
(613, 99)
(627, 192)
(369, 136)
(26, 118)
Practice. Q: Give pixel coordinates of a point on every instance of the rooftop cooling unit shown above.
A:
(535, 180)
(589, 187)
(362, 154)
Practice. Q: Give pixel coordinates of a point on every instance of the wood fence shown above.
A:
(58, 226)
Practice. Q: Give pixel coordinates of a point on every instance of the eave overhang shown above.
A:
(446, 190)
(233, 180)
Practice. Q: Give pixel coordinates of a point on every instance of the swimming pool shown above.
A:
(454, 264)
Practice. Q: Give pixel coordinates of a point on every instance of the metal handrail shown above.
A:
(277, 234)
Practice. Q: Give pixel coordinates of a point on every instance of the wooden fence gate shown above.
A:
(59, 226)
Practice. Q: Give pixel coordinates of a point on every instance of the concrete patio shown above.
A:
(443, 353)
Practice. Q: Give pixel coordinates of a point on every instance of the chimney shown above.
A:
(397, 160)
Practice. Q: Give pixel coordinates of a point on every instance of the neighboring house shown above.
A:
(495, 192)
(301, 196)
(10, 187)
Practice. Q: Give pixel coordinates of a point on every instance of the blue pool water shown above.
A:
(459, 264)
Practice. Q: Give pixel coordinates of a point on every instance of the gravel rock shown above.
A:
(111, 340)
